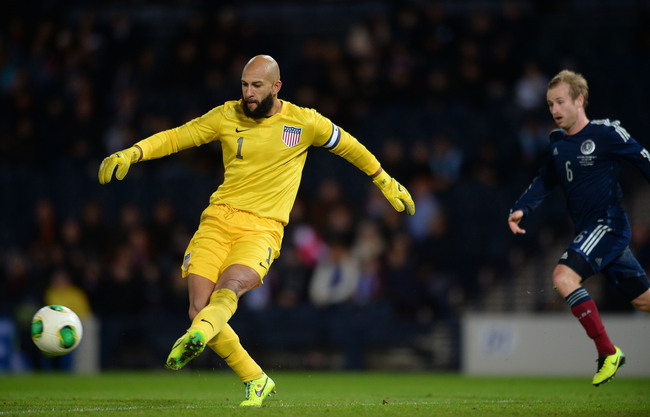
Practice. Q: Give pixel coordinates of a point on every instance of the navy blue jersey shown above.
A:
(586, 166)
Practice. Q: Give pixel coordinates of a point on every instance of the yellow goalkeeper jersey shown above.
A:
(263, 158)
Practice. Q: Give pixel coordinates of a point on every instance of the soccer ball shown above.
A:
(56, 330)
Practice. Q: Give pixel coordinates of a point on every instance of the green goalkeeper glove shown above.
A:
(394, 192)
(121, 161)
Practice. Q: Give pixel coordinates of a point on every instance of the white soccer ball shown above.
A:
(56, 330)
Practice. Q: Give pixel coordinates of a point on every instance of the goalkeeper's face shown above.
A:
(258, 109)
(260, 83)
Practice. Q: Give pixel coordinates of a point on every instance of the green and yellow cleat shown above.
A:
(607, 367)
(186, 348)
(257, 390)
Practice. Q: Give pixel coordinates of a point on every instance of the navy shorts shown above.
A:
(600, 248)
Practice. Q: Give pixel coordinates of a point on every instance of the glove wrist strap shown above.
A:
(382, 180)
(134, 154)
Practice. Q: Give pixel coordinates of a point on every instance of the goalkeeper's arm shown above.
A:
(194, 133)
(354, 152)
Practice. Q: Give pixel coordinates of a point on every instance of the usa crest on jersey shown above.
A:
(291, 135)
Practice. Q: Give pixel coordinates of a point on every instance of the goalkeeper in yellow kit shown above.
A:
(264, 142)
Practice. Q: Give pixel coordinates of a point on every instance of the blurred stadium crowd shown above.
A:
(450, 96)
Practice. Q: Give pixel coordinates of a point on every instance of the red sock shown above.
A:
(588, 316)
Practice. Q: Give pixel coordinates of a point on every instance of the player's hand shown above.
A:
(119, 163)
(513, 221)
(394, 192)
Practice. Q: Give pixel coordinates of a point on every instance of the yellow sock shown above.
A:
(216, 314)
(226, 344)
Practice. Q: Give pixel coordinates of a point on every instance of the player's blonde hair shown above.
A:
(576, 82)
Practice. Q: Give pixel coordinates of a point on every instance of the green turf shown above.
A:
(304, 394)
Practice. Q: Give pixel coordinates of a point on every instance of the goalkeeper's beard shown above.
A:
(263, 107)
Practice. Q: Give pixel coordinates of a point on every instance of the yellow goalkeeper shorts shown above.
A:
(228, 236)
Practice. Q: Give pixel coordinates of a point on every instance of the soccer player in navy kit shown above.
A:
(584, 160)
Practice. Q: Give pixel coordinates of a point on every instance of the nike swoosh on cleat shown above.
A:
(178, 342)
(262, 265)
(259, 393)
(240, 130)
(208, 323)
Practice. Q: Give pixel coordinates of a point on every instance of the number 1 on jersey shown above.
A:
(240, 142)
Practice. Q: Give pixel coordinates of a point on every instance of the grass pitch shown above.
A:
(305, 394)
